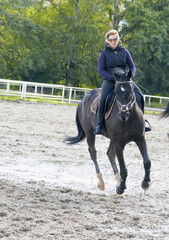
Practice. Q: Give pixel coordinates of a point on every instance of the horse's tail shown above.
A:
(81, 134)
(165, 113)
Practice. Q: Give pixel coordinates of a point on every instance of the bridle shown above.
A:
(127, 107)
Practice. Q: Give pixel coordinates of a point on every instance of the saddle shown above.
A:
(110, 101)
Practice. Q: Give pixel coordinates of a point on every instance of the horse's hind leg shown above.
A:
(91, 143)
(111, 155)
(146, 161)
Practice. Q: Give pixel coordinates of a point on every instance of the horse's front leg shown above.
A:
(111, 155)
(146, 161)
(92, 151)
(123, 170)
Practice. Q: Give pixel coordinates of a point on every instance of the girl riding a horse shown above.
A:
(114, 55)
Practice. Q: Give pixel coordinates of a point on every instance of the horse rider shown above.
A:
(113, 55)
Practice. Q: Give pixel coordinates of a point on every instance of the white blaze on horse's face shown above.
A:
(124, 98)
(122, 89)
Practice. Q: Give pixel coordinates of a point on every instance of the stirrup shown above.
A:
(147, 129)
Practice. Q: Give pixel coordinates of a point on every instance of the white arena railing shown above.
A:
(148, 98)
(24, 90)
(59, 93)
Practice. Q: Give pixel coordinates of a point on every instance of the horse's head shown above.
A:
(124, 90)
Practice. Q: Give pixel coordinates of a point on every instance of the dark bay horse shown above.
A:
(125, 124)
(165, 114)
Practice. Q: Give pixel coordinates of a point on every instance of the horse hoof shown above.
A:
(101, 187)
(119, 191)
(100, 184)
(145, 185)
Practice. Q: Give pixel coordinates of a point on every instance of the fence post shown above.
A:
(70, 94)
(74, 94)
(35, 90)
(23, 91)
(63, 93)
(8, 87)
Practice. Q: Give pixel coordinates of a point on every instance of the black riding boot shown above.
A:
(107, 87)
(99, 128)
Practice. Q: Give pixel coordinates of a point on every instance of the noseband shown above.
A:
(126, 108)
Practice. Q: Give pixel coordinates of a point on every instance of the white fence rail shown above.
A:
(41, 90)
(160, 99)
(59, 93)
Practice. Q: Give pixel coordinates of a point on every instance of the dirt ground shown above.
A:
(48, 190)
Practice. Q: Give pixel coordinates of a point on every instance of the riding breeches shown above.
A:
(107, 87)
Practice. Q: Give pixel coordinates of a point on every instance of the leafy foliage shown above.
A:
(147, 37)
(60, 41)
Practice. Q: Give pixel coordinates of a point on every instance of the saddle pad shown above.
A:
(95, 104)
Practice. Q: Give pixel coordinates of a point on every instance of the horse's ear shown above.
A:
(129, 74)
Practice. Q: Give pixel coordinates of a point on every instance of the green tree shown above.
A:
(18, 36)
(56, 41)
(145, 32)
(79, 41)
(60, 41)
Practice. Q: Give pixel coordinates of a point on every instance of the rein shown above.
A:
(127, 107)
